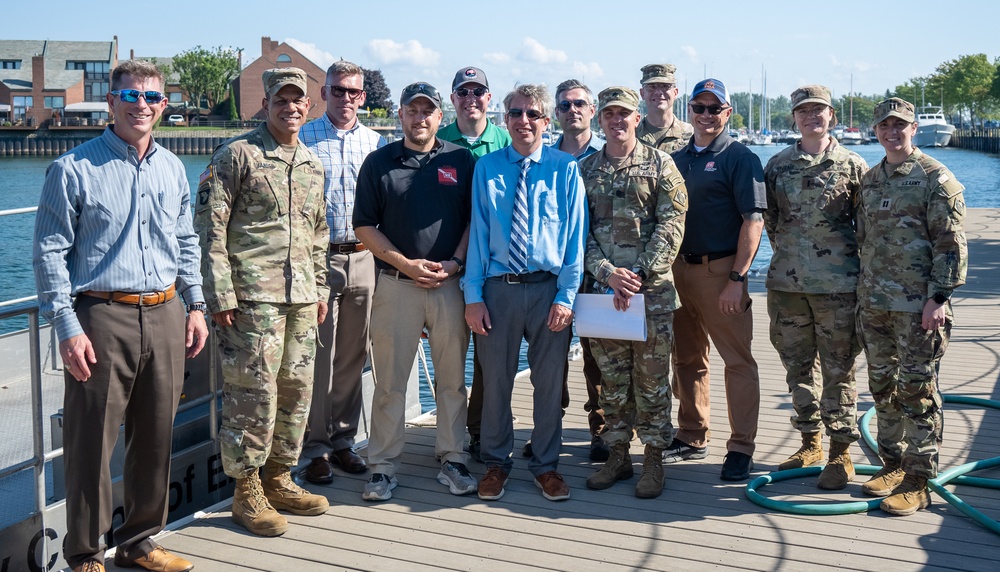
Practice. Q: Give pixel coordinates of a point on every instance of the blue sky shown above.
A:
(601, 43)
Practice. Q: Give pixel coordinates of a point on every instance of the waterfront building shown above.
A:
(273, 54)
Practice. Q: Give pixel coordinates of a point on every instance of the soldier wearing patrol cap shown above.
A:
(660, 128)
(812, 280)
(637, 201)
(262, 216)
(908, 273)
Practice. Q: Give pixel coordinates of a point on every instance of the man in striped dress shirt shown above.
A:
(114, 230)
(342, 143)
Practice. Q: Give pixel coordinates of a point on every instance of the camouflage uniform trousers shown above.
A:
(635, 384)
(807, 326)
(903, 362)
(267, 366)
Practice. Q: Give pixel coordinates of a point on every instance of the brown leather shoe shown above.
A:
(319, 471)
(158, 560)
(492, 483)
(91, 565)
(553, 486)
(349, 461)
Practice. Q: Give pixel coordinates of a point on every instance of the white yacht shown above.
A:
(933, 130)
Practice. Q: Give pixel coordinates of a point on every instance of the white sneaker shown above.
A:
(379, 487)
(457, 478)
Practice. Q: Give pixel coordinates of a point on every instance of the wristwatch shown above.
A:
(197, 306)
(459, 262)
(737, 277)
(941, 298)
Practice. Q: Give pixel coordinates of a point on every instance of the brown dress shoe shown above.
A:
(158, 560)
(349, 461)
(91, 565)
(319, 471)
(553, 486)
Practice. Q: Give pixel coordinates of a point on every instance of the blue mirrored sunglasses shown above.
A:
(132, 95)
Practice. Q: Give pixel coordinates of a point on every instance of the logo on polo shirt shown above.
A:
(447, 176)
(710, 167)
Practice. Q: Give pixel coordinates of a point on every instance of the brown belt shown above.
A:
(150, 299)
(347, 247)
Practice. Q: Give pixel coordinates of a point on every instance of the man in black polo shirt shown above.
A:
(726, 195)
(412, 210)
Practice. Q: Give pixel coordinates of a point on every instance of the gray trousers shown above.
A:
(137, 379)
(521, 311)
(340, 357)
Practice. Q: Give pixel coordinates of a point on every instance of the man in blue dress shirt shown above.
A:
(525, 261)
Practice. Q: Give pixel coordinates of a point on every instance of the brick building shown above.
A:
(250, 91)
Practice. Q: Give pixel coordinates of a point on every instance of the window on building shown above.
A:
(21, 104)
(10, 64)
(55, 102)
(176, 97)
(284, 58)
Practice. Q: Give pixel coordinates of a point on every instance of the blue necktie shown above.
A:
(519, 223)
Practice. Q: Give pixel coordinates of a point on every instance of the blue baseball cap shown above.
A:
(713, 86)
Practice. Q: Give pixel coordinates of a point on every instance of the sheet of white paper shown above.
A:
(596, 317)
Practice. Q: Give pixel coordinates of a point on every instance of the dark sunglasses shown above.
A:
(533, 114)
(422, 89)
(351, 92)
(132, 95)
(712, 109)
(478, 92)
(565, 104)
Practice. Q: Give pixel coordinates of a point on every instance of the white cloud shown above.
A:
(315, 55)
(411, 52)
(587, 71)
(690, 52)
(496, 58)
(533, 51)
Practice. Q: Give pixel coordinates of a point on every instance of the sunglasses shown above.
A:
(421, 89)
(132, 95)
(565, 104)
(350, 92)
(533, 114)
(478, 92)
(712, 109)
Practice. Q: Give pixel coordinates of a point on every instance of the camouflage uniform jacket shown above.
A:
(262, 219)
(636, 221)
(810, 219)
(667, 140)
(911, 235)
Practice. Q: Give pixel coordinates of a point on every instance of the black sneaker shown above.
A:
(680, 451)
(737, 466)
(526, 452)
(475, 449)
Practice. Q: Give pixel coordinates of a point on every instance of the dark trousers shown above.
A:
(137, 379)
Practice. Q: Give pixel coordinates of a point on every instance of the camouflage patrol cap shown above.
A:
(811, 94)
(277, 78)
(658, 73)
(620, 96)
(893, 107)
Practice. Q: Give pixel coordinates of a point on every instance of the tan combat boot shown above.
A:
(884, 481)
(251, 509)
(618, 467)
(283, 494)
(909, 497)
(810, 453)
(650, 484)
(839, 470)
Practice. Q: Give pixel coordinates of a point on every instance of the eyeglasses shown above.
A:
(712, 109)
(478, 92)
(132, 95)
(807, 111)
(350, 92)
(415, 89)
(651, 87)
(533, 114)
(566, 104)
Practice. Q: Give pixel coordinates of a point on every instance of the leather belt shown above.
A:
(135, 299)
(539, 276)
(347, 247)
(706, 258)
(396, 274)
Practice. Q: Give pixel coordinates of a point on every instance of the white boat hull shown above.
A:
(933, 135)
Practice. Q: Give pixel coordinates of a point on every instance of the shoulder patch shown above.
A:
(206, 175)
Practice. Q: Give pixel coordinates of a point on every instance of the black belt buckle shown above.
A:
(346, 247)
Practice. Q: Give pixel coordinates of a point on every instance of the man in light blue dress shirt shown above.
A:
(114, 230)
(510, 299)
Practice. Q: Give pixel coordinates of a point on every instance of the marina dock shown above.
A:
(699, 522)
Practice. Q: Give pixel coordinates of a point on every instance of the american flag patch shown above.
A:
(206, 175)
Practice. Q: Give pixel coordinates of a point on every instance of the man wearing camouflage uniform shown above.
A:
(637, 202)
(913, 255)
(660, 128)
(262, 217)
(812, 280)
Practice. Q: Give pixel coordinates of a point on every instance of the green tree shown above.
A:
(967, 82)
(377, 92)
(205, 73)
(233, 114)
